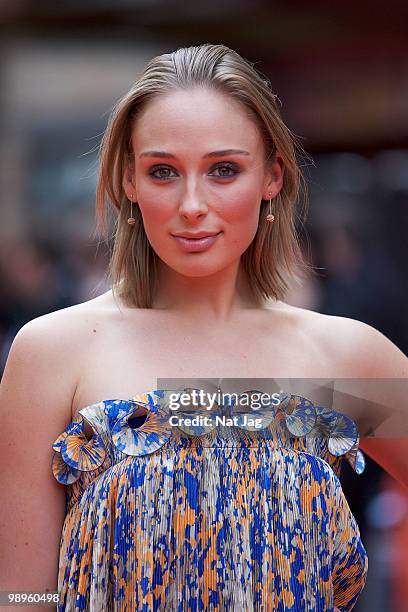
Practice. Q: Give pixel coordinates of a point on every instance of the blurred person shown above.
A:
(153, 516)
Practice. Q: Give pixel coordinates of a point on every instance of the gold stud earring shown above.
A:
(270, 217)
(131, 219)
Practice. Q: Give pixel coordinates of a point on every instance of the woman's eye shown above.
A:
(160, 169)
(226, 170)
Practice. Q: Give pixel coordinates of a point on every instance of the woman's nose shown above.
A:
(193, 207)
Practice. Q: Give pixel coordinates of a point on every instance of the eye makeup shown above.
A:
(231, 166)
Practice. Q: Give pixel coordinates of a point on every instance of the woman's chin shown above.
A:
(196, 268)
(197, 271)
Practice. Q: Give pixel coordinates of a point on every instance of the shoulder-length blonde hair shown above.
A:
(274, 257)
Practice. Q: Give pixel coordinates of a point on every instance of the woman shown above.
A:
(178, 518)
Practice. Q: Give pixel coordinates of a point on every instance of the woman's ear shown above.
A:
(129, 182)
(274, 179)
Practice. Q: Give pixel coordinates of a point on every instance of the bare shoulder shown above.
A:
(353, 345)
(49, 346)
(64, 327)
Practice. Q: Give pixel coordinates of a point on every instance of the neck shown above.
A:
(217, 297)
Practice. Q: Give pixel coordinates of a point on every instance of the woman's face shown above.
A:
(199, 167)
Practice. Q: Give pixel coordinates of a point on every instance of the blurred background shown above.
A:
(340, 70)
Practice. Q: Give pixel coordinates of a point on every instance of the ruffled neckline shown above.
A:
(294, 416)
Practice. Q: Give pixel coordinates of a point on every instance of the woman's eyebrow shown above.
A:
(222, 153)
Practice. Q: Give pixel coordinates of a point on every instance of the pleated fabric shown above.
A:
(234, 519)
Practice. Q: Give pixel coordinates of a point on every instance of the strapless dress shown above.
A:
(208, 516)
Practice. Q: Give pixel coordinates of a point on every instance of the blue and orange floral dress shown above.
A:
(164, 517)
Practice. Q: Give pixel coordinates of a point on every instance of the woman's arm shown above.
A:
(35, 406)
(379, 358)
(391, 454)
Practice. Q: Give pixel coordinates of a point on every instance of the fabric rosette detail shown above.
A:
(148, 437)
(304, 418)
(343, 436)
(74, 453)
(356, 459)
(111, 421)
(300, 415)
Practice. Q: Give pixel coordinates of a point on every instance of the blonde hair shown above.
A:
(274, 257)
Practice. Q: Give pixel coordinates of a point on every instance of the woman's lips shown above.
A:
(193, 245)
